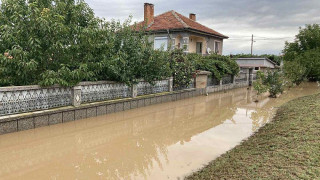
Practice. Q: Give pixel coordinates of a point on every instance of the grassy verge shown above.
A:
(286, 148)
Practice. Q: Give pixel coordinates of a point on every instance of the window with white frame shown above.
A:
(161, 42)
(217, 47)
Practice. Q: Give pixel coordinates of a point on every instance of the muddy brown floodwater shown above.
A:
(164, 141)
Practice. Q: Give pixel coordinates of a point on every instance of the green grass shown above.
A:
(286, 148)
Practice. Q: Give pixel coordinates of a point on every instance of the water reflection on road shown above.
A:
(163, 141)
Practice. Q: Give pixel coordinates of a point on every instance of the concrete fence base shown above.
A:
(25, 121)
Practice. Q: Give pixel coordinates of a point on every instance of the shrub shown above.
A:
(274, 82)
(216, 64)
(259, 84)
(182, 69)
(294, 72)
(271, 82)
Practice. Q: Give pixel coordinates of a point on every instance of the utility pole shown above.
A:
(251, 44)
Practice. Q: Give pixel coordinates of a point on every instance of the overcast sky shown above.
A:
(271, 21)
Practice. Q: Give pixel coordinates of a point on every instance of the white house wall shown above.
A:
(185, 40)
(268, 64)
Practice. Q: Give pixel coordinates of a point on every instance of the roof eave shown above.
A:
(164, 30)
(267, 59)
(187, 29)
(206, 33)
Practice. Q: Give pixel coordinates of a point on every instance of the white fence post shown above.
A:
(170, 84)
(134, 91)
(76, 96)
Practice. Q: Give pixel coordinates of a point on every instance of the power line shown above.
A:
(258, 38)
(265, 37)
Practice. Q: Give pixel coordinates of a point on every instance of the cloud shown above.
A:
(274, 20)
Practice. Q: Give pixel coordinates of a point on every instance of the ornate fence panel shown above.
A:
(15, 100)
(190, 86)
(104, 91)
(213, 81)
(227, 79)
(242, 77)
(145, 88)
(254, 76)
(20, 99)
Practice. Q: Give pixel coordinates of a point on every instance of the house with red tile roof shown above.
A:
(171, 29)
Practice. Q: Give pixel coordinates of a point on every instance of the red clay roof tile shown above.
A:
(173, 20)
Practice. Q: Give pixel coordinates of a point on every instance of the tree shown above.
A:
(306, 50)
(42, 41)
(310, 60)
(51, 42)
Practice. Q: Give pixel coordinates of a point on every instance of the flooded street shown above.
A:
(163, 141)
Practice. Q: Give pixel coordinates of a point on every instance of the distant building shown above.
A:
(174, 30)
(255, 64)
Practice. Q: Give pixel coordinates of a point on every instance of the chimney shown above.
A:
(148, 13)
(192, 16)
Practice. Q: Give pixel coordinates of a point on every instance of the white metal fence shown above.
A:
(93, 92)
(20, 99)
(228, 79)
(189, 86)
(242, 77)
(145, 88)
(213, 81)
(30, 98)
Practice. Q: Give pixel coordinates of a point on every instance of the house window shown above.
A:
(257, 68)
(161, 42)
(199, 47)
(217, 47)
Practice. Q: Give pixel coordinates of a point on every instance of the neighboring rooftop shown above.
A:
(257, 59)
(173, 21)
